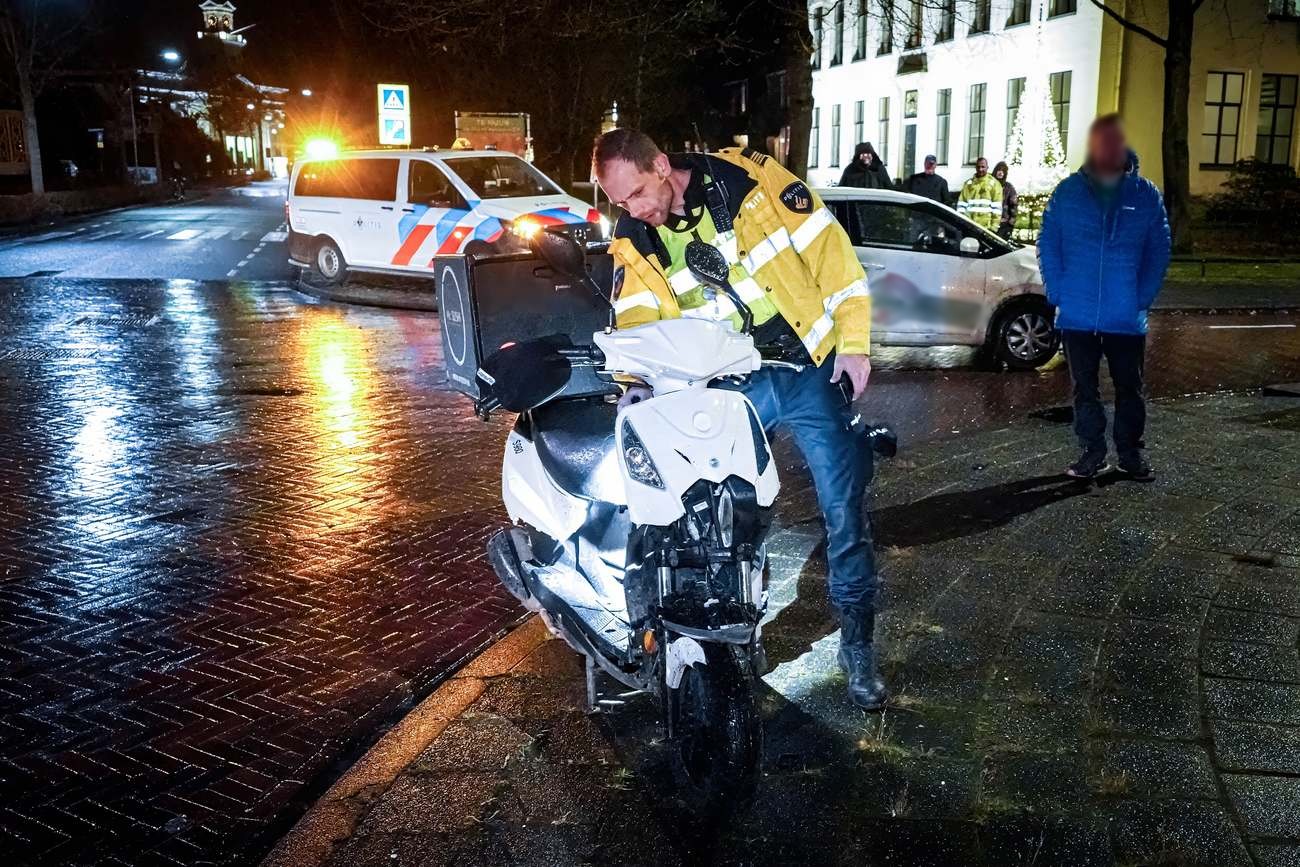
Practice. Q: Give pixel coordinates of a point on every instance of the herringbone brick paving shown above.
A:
(238, 532)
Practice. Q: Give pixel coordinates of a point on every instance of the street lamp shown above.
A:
(306, 91)
(250, 107)
(171, 55)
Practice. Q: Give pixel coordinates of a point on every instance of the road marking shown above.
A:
(232, 272)
(275, 236)
(151, 234)
(101, 235)
(1240, 327)
(215, 234)
(184, 235)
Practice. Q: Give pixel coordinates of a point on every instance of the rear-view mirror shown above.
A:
(707, 263)
(561, 253)
(970, 245)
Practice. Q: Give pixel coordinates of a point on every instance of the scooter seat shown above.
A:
(575, 443)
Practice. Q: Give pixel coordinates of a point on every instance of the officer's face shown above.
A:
(645, 195)
(981, 167)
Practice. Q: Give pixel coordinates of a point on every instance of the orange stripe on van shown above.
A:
(411, 244)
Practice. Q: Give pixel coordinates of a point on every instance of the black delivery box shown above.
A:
(487, 303)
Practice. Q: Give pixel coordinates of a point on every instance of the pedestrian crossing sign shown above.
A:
(394, 114)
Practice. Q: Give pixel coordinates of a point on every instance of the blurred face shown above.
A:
(1000, 174)
(1107, 149)
(929, 167)
(981, 167)
(645, 195)
(864, 157)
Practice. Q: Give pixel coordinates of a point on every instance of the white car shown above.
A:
(392, 211)
(939, 279)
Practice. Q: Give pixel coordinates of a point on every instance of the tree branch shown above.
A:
(1130, 25)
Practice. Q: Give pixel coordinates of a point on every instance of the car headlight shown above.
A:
(637, 458)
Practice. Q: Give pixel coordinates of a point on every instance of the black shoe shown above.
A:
(1089, 464)
(858, 658)
(1137, 468)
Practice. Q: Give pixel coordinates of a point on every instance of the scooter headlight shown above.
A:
(637, 459)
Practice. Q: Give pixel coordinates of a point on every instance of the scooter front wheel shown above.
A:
(718, 733)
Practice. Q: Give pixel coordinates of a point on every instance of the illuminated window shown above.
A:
(943, 108)
(1277, 103)
(882, 143)
(859, 120)
(1060, 86)
(975, 123)
(835, 136)
(1015, 90)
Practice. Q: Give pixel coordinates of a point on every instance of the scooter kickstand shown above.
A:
(592, 707)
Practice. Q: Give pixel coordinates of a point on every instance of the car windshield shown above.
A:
(501, 177)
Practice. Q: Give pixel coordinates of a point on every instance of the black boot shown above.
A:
(858, 657)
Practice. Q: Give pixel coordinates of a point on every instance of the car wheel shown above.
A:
(328, 263)
(1025, 336)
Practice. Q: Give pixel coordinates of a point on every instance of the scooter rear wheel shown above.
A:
(718, 734)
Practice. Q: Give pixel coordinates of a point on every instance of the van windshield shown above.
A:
(501, 177)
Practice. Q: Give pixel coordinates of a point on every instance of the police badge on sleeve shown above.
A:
(797, 198)
(617, 288)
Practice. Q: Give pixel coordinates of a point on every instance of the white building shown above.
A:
(953, 84)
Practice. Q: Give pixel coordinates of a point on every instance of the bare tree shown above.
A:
(37, 38)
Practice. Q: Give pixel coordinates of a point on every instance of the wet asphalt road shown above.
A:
(240, 531)
(229, 234)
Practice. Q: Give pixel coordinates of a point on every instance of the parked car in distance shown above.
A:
(937, 278)
(392, 211)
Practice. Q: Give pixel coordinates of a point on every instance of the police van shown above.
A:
(392, 211)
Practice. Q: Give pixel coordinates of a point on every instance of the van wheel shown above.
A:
(328, 263)
(1024, 335)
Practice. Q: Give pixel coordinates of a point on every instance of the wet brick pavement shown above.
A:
(239, 533)
(1085, 675)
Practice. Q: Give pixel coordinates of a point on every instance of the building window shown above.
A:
(860, 32)
(910, 100)
(975, 124)
(1019, 13)
(1061, 7)
(1015, 90)
(837, 50)
(882, 142)
(886, 28)
(943, 108)
(1060, 87)
(815, 138)
(859, 120)
(1277, 102)
(982, 15)
(819, 35)
(947, 21)
(776, 94)
(1284, 10)
(1223, 92)
(835, 136)
(914, 19)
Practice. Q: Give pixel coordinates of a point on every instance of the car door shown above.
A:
(428, 217)
(372, 215)
(925, 290)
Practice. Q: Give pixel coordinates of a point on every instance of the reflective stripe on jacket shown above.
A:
(796, 252)
(981, 201)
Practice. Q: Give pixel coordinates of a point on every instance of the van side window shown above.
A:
(427, 185)
(375, 180)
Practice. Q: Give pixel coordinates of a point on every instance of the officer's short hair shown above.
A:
(631, 145)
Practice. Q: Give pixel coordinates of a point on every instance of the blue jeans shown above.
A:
(1124, 355)
(840, 460)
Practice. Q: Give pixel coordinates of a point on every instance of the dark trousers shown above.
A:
(816, 413)
(1124, 355)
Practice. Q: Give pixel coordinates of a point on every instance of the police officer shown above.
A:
(795, 268)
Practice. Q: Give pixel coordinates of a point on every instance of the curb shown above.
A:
(333, 818)
(371, 296)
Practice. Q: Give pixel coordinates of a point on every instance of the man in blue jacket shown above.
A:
(1103, 251)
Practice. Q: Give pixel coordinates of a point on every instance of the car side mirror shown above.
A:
(970, 246)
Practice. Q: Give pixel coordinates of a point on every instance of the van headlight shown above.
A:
(637, 458)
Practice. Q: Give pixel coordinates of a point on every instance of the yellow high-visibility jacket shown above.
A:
(784, 237)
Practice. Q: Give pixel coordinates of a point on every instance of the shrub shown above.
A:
(1258, 194)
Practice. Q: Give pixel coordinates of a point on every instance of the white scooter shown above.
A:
(640, 532)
